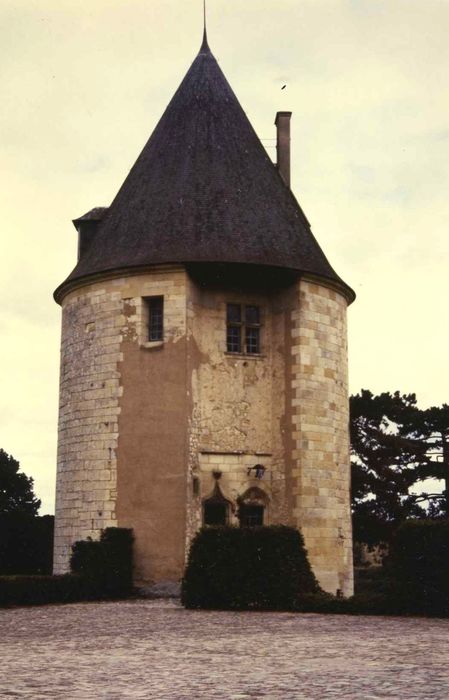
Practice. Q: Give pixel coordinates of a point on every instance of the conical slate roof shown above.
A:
(203, 190)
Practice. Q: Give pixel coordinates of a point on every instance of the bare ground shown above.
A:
(157, 650)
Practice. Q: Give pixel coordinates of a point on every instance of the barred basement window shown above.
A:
(215, 513)
(253, 505)
(243, 328)
(155, 318)
(251, 515)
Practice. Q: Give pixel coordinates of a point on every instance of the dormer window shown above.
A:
(243, 328)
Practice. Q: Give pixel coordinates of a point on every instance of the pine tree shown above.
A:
(387, 460)
(16, 489)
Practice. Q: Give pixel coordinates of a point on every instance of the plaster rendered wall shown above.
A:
(152, 446)
(238, 403)
(321, 466)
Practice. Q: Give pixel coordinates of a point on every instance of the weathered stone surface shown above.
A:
(88, 417)
(145, 427)
(121, 448)
(320, 416)
(238, 404)
(155, 649)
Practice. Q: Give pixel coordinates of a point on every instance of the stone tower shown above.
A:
(204, 352)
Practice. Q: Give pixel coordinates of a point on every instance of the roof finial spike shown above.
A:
(204, 46)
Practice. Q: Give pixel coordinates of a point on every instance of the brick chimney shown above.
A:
(282, 123)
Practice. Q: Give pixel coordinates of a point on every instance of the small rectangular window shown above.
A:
(252, 340)
(252, 315)
(234, 313)
(155, 318)
(215, 513)
(234, 328)
(251, 516)
(233, 339)
(243, 328)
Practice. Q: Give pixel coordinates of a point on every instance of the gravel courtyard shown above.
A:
(156, 649)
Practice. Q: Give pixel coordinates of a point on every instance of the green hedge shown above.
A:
(101, 570)
(262, 568)
(26, 544)
(365, 604)
(41, 590)
(376, 593)
(419, 564)
(267, 569)
(107, 563)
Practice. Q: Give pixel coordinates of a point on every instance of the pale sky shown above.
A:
(83, 86)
